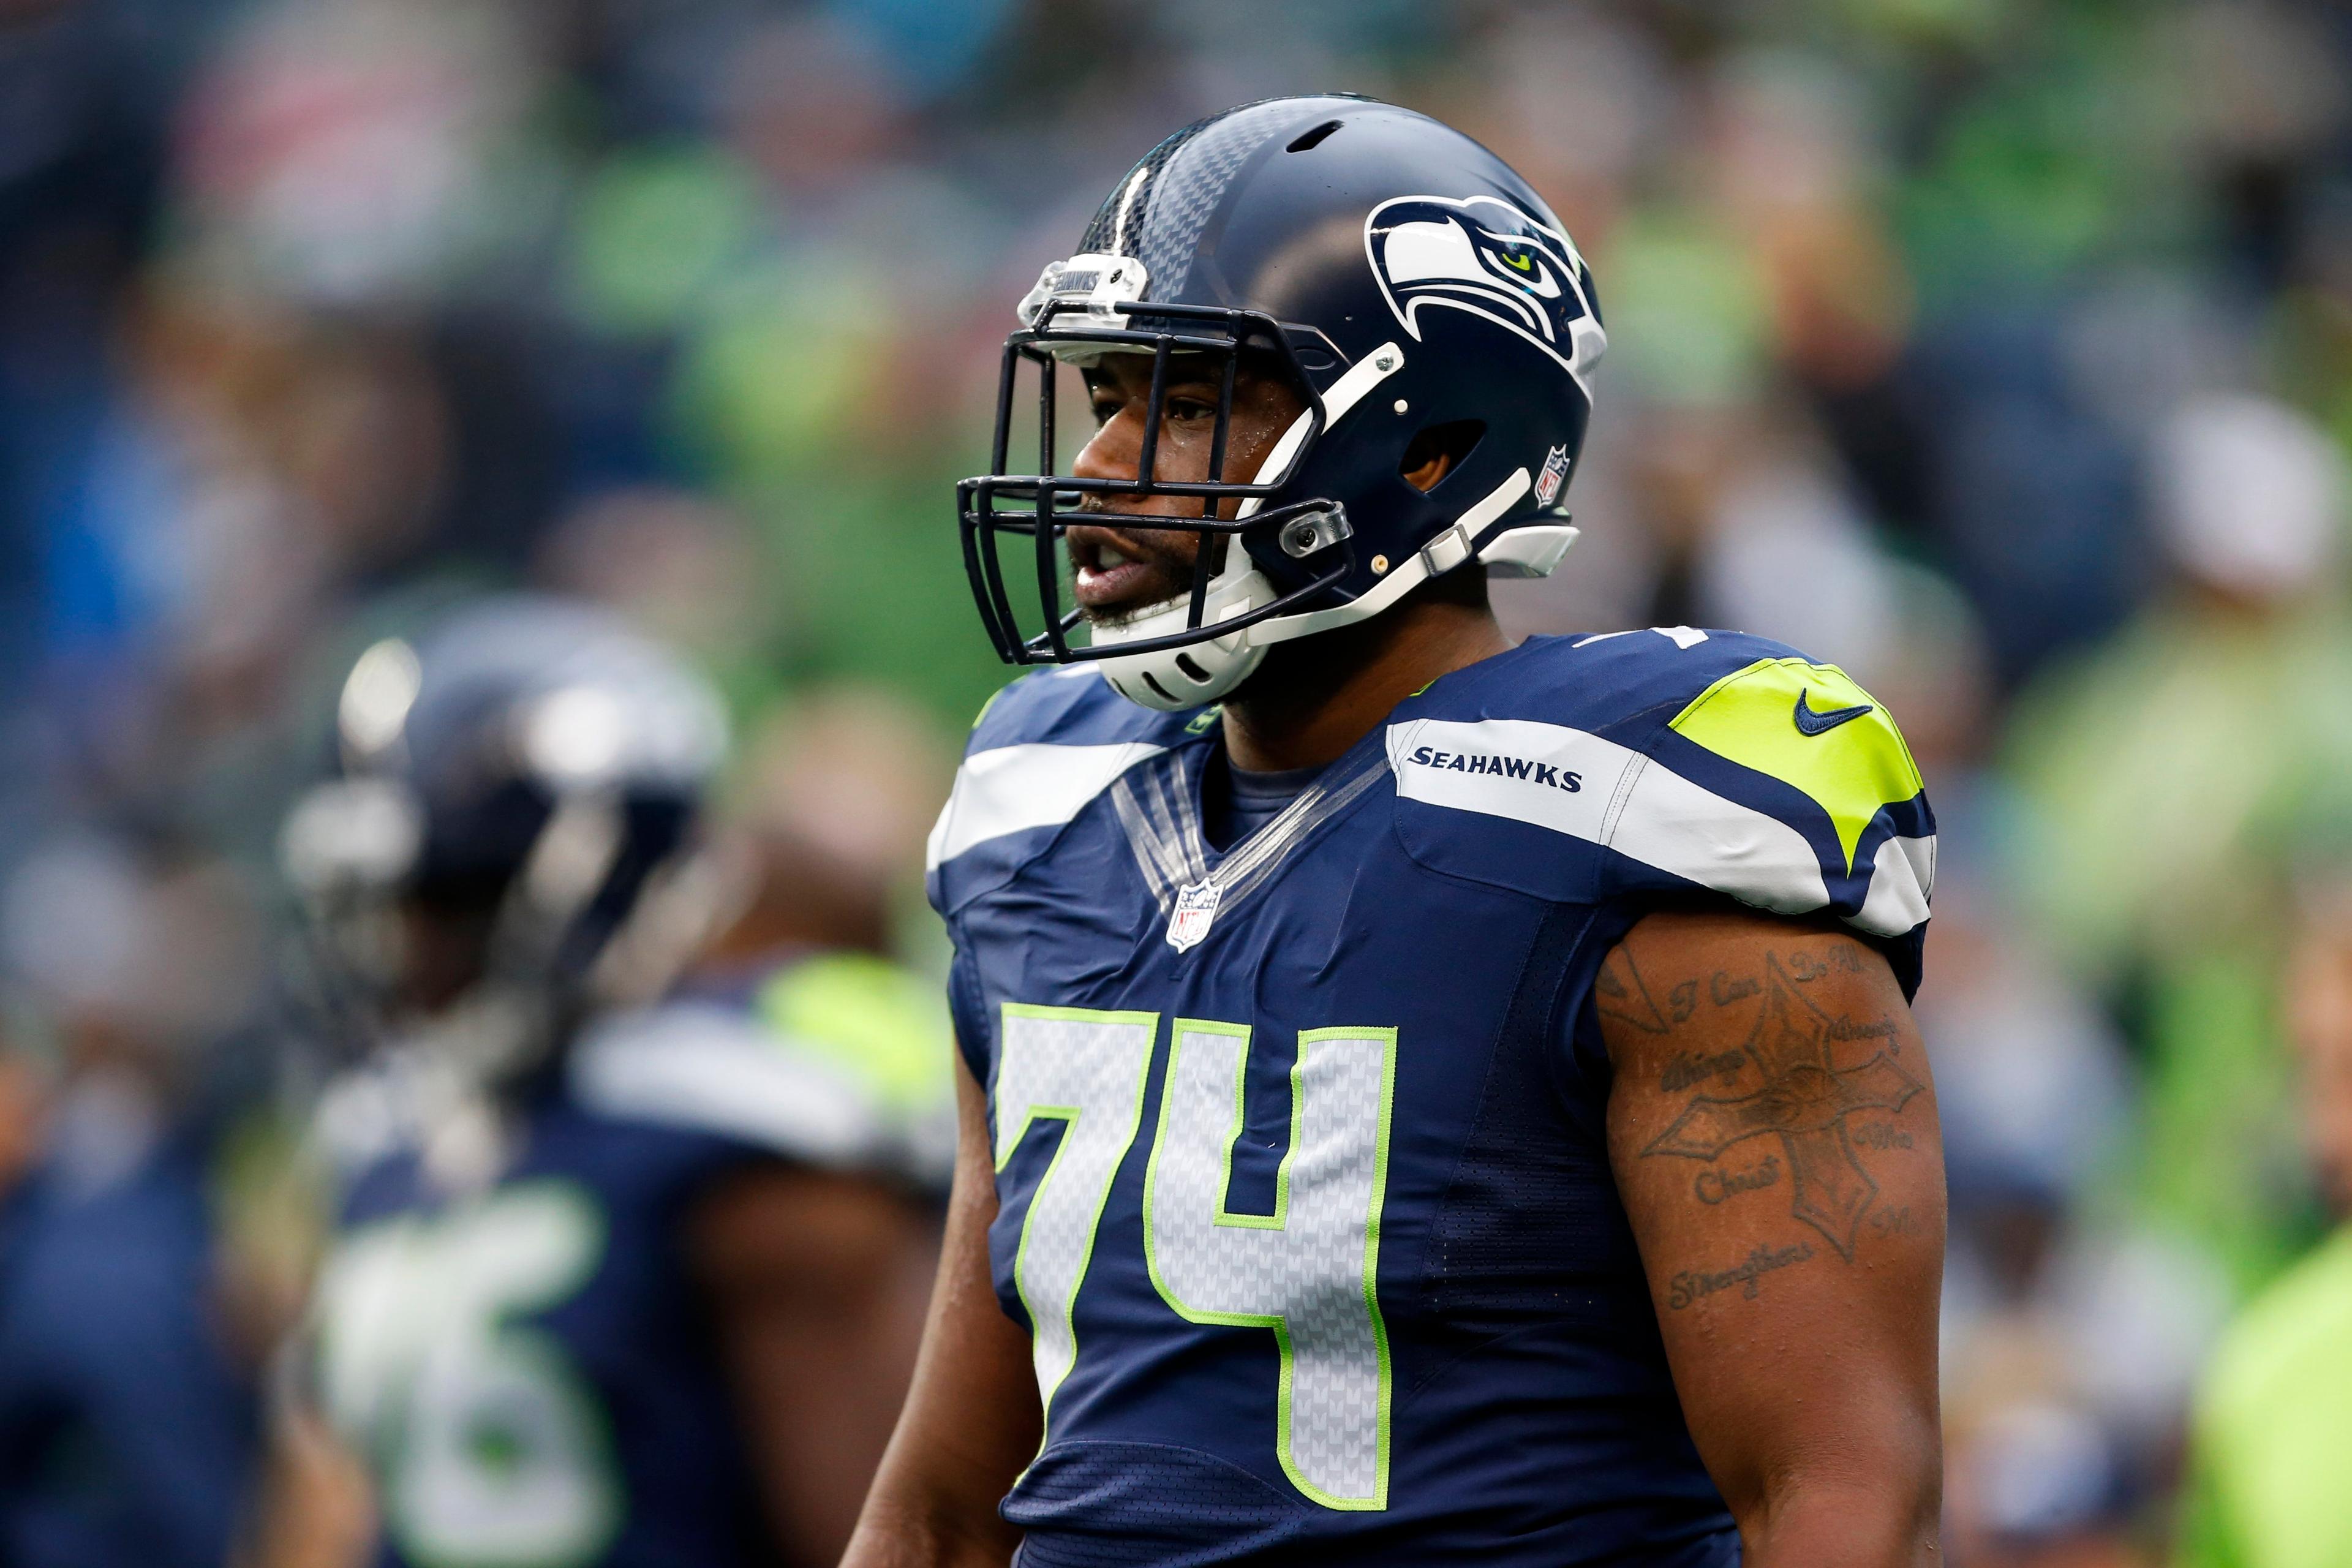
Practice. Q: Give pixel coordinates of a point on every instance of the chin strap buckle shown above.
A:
(1447, 550)
(1317, 529)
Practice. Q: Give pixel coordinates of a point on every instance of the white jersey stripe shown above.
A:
(1902, 876)
(1014, 788)
(1422, 751)
(1577, 784)
(712, 1068)
(1676, 825)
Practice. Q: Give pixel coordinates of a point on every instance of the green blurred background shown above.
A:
(1999, 350)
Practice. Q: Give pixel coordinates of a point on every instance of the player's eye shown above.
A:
(1190, 408)
(1105, 405)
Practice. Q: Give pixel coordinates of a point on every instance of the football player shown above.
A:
(613, 1283)
(129, 1329)
(1429, 1101)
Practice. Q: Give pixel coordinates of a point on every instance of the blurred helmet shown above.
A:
(531, 771)
(1405, 281)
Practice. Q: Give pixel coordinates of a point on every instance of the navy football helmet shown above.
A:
(531, 772)
(1405, 281)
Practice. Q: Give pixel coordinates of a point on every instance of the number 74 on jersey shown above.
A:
(1306, 1273)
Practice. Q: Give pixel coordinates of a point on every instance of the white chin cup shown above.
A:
(1176, 678)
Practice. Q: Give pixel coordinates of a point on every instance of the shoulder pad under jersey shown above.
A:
(1658, 762)
(1042, 748)
(838, 1060)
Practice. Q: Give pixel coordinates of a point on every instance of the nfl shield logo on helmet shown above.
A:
(1196, 906)
(1554, 474)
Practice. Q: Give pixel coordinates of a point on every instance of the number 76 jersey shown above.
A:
(1303, 1195)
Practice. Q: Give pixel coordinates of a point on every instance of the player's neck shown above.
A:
(1315, 698)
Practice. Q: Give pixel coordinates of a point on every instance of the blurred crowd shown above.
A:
(1999, 350)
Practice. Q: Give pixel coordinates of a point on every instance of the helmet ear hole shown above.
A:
(1438, 450)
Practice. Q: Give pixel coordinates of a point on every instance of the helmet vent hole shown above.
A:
(1148, 680)
(1184, 662)
(1310, 139)
(1438, 451)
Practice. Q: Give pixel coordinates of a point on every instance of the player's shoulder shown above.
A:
(1670, 759)
(365, 1136)
(1672, 693)
(833, 1059)
(1627, 685)
(1041, 749)
(1068, 705)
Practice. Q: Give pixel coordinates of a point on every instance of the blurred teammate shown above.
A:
(129, 1431)
(613, 1283)
(1452, 1103)
(2274, 1425)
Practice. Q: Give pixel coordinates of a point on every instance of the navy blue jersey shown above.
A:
(129, 1434)
(1304, 1192)
(525, 1363)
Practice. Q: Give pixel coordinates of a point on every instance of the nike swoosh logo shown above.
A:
(1814, 723)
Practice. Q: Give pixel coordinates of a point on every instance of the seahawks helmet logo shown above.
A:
(1486, 255)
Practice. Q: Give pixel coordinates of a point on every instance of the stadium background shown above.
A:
(1998, 349)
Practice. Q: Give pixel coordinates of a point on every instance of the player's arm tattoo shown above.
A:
(1619, 993)
(1693, 1284)
(1793, 1108)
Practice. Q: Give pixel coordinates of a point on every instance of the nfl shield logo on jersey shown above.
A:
(1554, 474)
(1196, 905)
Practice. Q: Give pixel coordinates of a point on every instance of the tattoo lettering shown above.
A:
(1804, 1102)
(1684, 999)
(1622, 996)
(1690, 1068)
(1723, 990)
(1895, 1222)
(1713, 1186)
(1847, 1029)
(1879, 1136)
(1840, 960)
(1693, 1285)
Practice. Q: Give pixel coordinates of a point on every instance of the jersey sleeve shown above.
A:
(1783, 785)
(1635, 770)
(969, 1011)
(838, 1061)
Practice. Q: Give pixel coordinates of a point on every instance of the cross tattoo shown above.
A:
(1805, 1099)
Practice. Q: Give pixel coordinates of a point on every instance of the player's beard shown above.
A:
(1168, 558)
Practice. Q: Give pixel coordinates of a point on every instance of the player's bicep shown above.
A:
(1772, 1129)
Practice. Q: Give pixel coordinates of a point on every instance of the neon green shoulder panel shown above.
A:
(869, 1017)
(1811, 727)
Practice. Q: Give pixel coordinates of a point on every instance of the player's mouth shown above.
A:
(1118, 573)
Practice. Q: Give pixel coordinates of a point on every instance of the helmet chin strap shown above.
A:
(1173, 679)
(1457, 544)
